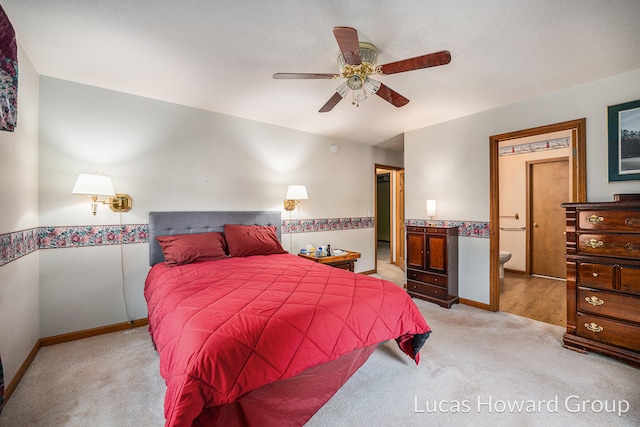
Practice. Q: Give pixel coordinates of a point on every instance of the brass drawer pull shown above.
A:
(594, 219)
(631, 248)
(594, 300)
(593, 243)
(632, 222)
(593, 327)
(595, 274)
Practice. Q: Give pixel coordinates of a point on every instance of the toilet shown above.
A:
(504, 257)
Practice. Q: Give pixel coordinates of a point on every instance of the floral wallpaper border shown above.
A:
(20, 243)
(326, 224)
(91, 235)
(465, 228)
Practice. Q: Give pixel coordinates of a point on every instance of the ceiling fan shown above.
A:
(357, 61)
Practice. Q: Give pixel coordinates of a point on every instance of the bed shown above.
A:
(248, 334)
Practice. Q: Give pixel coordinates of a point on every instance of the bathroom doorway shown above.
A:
(539, 290)
(513, 215)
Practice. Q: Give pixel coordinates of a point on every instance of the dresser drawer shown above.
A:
(630, 279)
(437, 230)
(618, 220)
(421, 276)
(612, 304)
(613, 245)
(415, 229)
(428, 290)
(608, 331)
(595, 275)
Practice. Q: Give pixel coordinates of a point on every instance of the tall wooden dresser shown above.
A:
(432, 264)
(603, 278)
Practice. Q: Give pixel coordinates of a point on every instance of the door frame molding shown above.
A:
(579, 183)
(392, 206)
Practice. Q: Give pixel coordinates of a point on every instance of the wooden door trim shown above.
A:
(400, 217)
(378, 168)
(579, 179)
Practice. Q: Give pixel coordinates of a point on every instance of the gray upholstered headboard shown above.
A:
(189, 222)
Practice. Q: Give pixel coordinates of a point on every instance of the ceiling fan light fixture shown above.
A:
(372, 85)
(368, 53)
(359, 95)
(343, 89)
(354, 82)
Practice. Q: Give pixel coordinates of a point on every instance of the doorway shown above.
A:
(389, 222)
(535, 286)
(548, 188)
(577, 187)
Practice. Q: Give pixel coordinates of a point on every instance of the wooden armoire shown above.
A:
(432, 264)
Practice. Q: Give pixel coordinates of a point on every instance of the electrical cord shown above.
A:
(290, 234)
(124, 295)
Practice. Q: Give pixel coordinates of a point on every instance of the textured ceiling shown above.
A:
(221, 55)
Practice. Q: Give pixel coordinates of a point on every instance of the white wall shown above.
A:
(19, 301)
(171, 157)
(450, 161)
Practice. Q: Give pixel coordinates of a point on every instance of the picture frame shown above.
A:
(624, 141)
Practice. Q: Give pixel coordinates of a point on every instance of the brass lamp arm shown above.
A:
(118, 203)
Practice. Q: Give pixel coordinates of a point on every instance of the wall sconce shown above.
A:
(100, 185)
(431, 208)
(295, 193)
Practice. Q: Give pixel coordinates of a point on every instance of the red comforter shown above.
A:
(225, 328)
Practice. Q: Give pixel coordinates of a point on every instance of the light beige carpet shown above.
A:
(107, 380)
(387, 270)
(475, 364)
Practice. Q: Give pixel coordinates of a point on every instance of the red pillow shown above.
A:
(181, 249)
(245, 240)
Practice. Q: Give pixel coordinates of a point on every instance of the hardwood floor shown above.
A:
(527, 296)
(534, 297)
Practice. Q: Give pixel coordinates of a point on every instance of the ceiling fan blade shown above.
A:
(332, 102)
(347, 39)
(279, 76)
(391, 96)
(425, 61)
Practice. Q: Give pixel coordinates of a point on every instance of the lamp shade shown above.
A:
(431, 207)
(297, 192)
(93, 185)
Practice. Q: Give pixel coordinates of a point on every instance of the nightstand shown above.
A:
(345, 262)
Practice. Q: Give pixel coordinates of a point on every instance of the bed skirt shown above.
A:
(291, 402)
